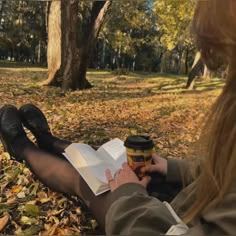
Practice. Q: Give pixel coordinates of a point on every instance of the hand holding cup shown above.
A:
(159, 166)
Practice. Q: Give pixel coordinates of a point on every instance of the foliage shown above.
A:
(173, 21)
(154, 104)
(130, 28)
(22, 26)
(138, 34)
(146, 36)
(130, 25)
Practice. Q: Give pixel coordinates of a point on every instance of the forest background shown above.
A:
(98, 70)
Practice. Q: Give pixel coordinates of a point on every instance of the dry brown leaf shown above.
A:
(3, 222)
(11, 200)
(16, 189)
(50, 231)
(42, 195)
(66, 231)
(44, 200)
(21, 195)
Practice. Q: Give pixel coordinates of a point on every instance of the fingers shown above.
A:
(150, 168)
(155, 158)
(117, 173)
(123, 176)
(110, 179)
(108, 175)
(126, 166)
(145, 180)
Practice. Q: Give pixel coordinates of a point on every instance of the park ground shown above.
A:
(153, 104)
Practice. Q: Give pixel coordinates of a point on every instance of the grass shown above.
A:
(153, 104)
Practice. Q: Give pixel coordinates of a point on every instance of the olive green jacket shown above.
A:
(134, 212)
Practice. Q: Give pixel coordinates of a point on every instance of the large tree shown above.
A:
(73, 28)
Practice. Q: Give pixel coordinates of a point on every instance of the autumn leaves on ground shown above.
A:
(157, 105)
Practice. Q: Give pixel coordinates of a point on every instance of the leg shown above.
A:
(61, 176)
(51, 170)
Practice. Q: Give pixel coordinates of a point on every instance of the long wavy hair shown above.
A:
(214, 25)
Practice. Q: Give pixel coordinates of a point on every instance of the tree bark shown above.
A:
(186, 60)
(207, 74)
(54, 48)
(196, 67)
(75, 50)
(39, 52)
(47, 12)
(3, 2)
(97, 17)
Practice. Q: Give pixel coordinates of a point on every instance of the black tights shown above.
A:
(59, 175)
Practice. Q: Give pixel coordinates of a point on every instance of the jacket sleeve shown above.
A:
(133, 212)
(178, 171)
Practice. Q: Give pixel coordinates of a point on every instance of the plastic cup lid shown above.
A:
(139, 142)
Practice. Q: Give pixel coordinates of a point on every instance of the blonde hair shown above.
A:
(214, 24)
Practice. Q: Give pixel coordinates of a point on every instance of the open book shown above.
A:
(92, 164)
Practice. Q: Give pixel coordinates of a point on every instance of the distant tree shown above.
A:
(22, 28)
(197, 67)
(73, 28)
(173, 21)
(129, 32)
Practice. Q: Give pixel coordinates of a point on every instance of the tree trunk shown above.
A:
(3, 2)
(47, 12)
(74, 53)
(78, 80)
(180, 61)
(186, 60)
(207, 74)
(196, 67)
(103, 61)
(54, 49)
(39, 52)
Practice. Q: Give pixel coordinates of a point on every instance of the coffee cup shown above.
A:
(139, 149)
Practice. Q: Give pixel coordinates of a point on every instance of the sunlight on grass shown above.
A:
(153, 82)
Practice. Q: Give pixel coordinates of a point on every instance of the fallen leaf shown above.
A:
(21, 195)
(28, 221)
(16, 189)
(31, 210)
(34, 188)
(50, 231)
(3, 222)
(30, 231)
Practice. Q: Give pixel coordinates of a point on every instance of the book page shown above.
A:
(95, 184)
(113, 152)
(83, 156)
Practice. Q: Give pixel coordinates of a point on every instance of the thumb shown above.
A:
(145, 180)
(151, 168)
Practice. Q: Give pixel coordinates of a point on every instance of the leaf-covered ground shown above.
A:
(117, 106)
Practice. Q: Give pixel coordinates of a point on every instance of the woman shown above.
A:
(46, 161)
(208, 202)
